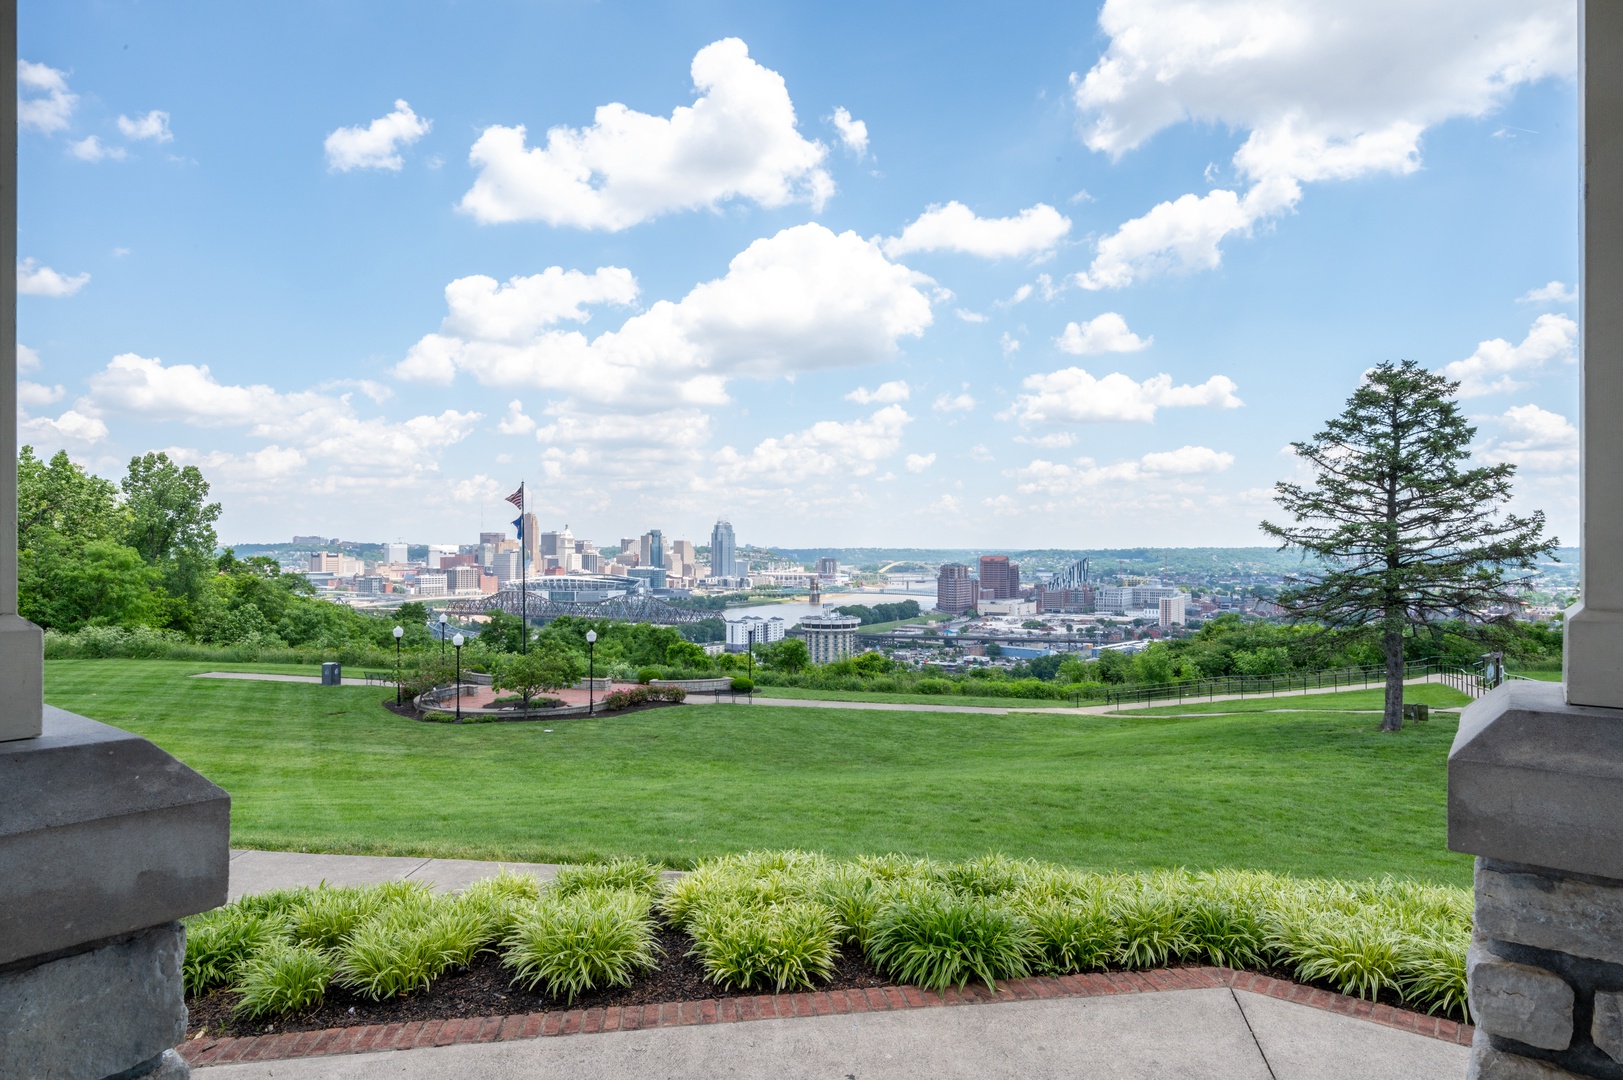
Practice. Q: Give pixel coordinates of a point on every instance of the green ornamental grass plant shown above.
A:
(777, 920)
(582, 941)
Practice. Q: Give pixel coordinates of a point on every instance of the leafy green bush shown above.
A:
(220, 941)
(633, 875)
(782, 946)
(936, 941)
(282, 978)
(742, 685)
(569, 944)
(648, 675)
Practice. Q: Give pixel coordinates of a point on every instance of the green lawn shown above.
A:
(1436, 695)
(921, 620)
(327, 769)
(912, 699)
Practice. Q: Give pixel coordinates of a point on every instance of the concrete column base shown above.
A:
(22, 673)
(108, 1011)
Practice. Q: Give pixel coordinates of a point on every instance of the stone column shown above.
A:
(105, 840)
(21, 656)
(1535, 777)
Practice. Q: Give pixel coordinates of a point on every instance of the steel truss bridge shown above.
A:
(631, 609)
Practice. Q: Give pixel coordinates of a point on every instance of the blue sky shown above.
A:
(1053, 275)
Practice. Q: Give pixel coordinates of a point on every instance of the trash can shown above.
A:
(332, 673)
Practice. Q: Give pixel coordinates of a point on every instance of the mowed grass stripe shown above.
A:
(327, 769)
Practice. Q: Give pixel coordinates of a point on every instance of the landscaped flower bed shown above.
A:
(766, 922)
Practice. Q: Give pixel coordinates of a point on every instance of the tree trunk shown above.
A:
(1392, 640)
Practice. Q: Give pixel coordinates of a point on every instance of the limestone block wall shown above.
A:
(1546, 974)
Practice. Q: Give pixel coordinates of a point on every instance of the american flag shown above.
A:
(517, 498)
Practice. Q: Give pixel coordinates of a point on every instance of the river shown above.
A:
(791, 614)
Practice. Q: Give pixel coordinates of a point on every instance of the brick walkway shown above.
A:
(362, 1039)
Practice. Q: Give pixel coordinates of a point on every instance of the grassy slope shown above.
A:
(910, 699)
(1436, 695)
(327, 769)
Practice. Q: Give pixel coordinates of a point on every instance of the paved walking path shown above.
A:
(1217, 1033)
(1220, 1025)
(892, 706)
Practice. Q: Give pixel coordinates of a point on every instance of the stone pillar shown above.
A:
(105, 840)
(1535, 777)
(21, 644)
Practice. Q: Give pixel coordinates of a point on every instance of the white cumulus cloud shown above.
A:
(92, 149)
(378, 144)
(737, 140)
(1073, 396)
(853, 133)
(1491, 369)
(1322, 92)
(71, 426)
(1054, 478)
(827, 449)
(44, 101)
(154, 125)
(36, 280)
(805, 299)
(917, 463)
(1555, 292)
(1105, 333)
(1534, 439)
(883, 394)
(515, 422)
(955, 227)
(33, 393)
(948, 403)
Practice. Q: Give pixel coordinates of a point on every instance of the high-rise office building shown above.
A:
(394, 553)
(532, 538)
(683, 558)
(558, 543)
(494, 539)
(651, 549)
(723, 551)
(1001, 576)
(954, 589)
(506, 568)
(629, 547)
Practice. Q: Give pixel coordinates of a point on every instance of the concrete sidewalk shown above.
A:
(1183, 1034)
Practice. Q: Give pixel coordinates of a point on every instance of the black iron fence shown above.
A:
(1472, 683)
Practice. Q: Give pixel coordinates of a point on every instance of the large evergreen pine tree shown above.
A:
(1401, 530)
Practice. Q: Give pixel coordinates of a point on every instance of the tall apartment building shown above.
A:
(651, 549)
(1173, 610)
(394, 553)
(954, 589)
(830, 636)
(753, 629)
(724, 551)
(431, 583)
(463, 578)
(1001, 576)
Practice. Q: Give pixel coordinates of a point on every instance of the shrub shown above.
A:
(631, 875)
(648, 674)
(220, 941)
(780, 946)
(933, 686)
(1152, 926)
(742, 685)
(392, 955)
(282, 978)
(1071, 935)
(581, 942)
(938, 941)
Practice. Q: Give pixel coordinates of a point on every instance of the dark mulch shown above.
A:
(484, 990)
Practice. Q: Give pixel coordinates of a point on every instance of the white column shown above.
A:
(1594, 636)
(22, 671)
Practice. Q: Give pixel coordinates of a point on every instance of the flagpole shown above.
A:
(523, 578)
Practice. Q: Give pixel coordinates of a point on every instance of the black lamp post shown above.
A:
(457, 641)
(591, 672)
(399, 632)
(750, 655)
(443, 620)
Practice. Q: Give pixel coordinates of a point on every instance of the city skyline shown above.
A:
(810, 280)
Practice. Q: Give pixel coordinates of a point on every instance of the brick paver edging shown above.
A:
(369, 1037)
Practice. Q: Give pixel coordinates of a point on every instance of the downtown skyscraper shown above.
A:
(724, 551)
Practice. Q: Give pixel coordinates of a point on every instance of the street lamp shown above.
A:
(750, 655)
(457, 641)
(591, 672)
(444, 618)
(399, 632)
